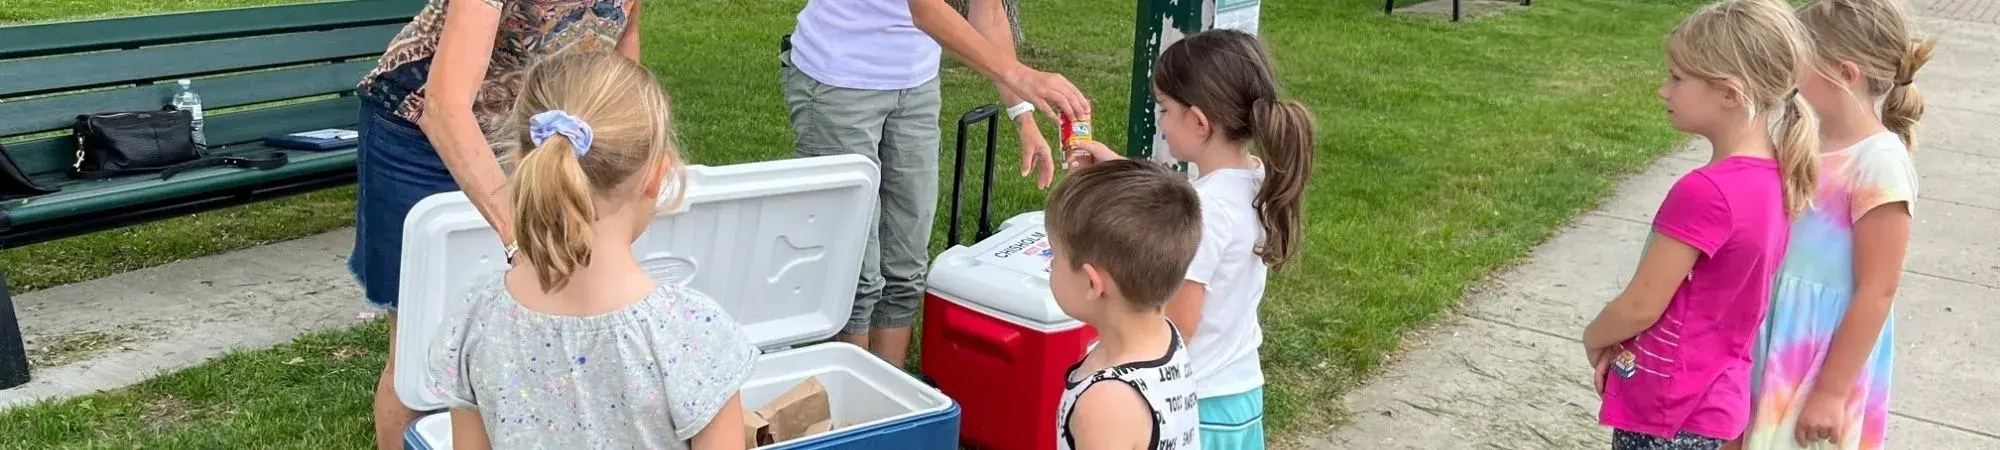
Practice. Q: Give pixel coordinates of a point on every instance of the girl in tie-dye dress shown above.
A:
(1824, 353)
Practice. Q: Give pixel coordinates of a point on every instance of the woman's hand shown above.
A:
(1051, 93)
(1822, 418)
(1035, 155)
(1087, 153)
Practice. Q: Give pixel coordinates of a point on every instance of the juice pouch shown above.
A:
(1075, 131)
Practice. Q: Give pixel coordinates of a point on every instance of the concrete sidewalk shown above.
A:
(1508, 371)
(131, 327)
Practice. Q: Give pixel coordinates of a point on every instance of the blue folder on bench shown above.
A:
(324, 139)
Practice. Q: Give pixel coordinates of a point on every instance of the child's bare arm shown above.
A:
(725, 431)
(1087, 153)
(1111, 415)
(1217, 229)
(1661, 271)
(1881, 238)
(1693, 220)
(467, 432)
(1185, 308)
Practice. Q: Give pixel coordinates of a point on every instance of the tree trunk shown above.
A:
(1013, 16)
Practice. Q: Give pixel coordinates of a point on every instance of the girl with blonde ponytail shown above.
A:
(615, 358)
(1825, 350)
(1672, 351)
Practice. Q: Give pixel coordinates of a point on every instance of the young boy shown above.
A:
(1123, 233)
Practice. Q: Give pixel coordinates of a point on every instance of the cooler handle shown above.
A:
(986, 338)
(990, 114)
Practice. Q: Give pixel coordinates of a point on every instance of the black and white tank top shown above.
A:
(1167, 384)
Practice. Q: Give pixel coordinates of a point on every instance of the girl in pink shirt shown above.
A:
(1672, 352)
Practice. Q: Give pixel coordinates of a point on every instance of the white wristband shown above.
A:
(1015, 112)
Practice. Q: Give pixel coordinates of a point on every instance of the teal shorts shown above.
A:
(1233, 421)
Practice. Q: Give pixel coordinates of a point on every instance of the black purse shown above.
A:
(126, 143)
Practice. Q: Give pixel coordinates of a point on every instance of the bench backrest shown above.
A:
(283, 68)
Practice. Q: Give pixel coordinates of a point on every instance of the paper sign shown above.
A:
(1026, 251)
(1240, 15)
(329, 133)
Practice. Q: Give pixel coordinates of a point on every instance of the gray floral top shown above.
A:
(650, 375)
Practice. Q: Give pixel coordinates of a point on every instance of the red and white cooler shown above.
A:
(994, 340)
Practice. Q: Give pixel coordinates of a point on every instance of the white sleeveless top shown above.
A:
(1167, 384)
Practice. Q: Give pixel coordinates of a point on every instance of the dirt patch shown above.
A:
(67, 348)
(164, 412)
(168, 412)
(346, 351)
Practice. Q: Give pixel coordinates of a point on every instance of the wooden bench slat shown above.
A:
(50, 158)
(54, 113)
(81, 71)
(127, 32)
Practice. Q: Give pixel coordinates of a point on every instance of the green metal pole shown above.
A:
(1159, 22)
(1145, 44)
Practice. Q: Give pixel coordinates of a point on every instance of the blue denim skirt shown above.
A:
(395, 168)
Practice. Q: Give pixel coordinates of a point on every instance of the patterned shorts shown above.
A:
(1626, 440)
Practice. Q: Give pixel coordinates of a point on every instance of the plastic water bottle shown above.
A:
(188, 101)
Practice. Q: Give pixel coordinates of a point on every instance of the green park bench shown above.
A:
(283, 69)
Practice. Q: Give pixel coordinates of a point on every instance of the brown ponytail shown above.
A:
(1797, 155)
(619, 111)
(1284, 132)
(1903, 106)
(553, 210)
(1227, 74)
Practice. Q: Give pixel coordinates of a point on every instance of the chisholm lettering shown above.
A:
(1020, 244)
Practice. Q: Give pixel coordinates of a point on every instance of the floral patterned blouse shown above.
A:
(529, 30)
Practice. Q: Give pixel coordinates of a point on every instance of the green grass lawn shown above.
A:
(1447, 150)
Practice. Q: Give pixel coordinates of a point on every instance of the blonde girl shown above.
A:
(576, 346)
(1672, 351)
(1825, 351)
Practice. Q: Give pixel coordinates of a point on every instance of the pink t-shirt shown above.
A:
(1690, 371)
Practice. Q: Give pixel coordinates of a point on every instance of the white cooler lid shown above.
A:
(1005, 275)
(778, 244)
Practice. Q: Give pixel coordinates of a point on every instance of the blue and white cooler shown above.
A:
(777, 243)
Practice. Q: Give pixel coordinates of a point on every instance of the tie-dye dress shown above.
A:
(1811, 295)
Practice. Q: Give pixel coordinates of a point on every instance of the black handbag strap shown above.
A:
(15, 183)
(260, 161)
